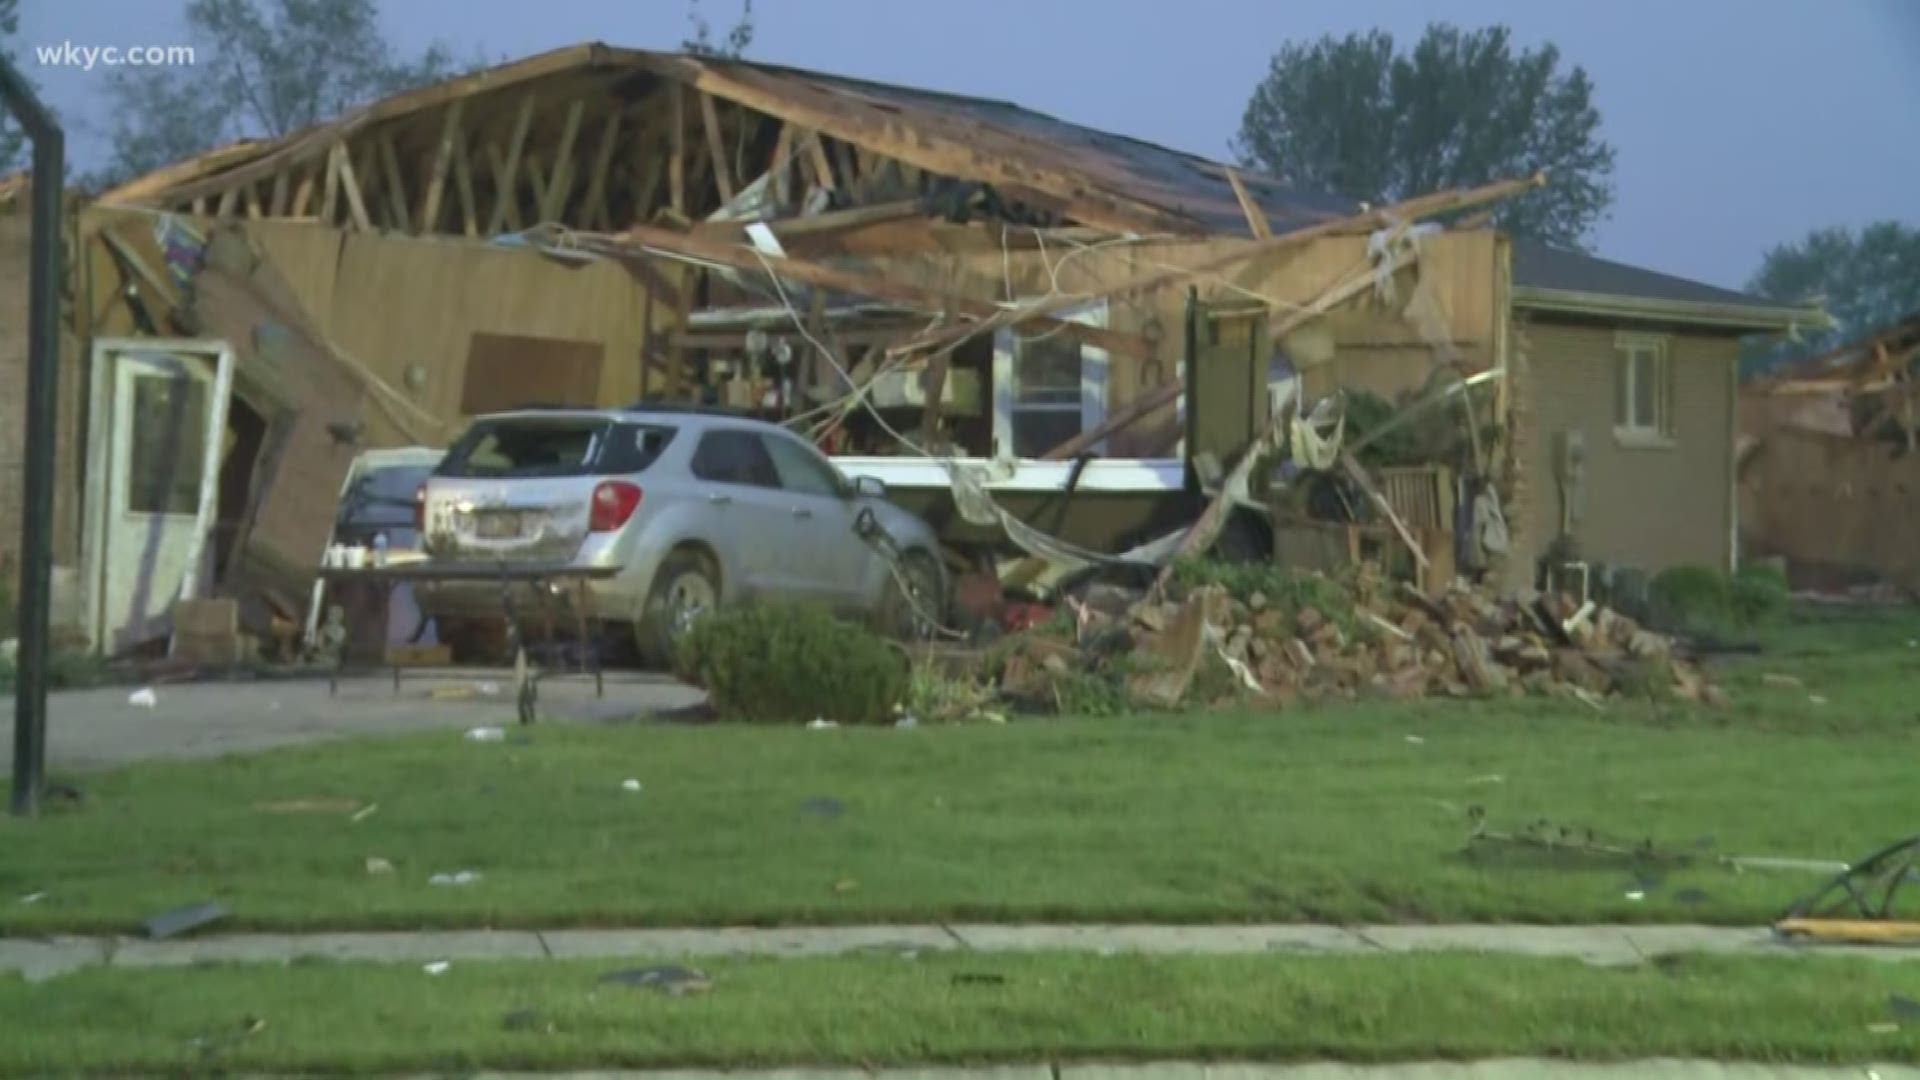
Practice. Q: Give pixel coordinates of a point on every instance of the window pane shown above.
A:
(168, 444)
(1048, 369)
(734, 457)
(800, 471)
(1646, 388)
(524, 448)
(1037, 431)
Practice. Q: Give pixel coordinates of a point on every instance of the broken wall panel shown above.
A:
(1841, 510)
(433, 296)
(1369, 343)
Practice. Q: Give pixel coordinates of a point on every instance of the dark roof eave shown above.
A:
(1752, 318)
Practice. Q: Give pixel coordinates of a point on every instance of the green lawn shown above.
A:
(878, 1010)
(1348, 814)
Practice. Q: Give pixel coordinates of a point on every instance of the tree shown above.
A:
(732, 47)
(12, 140)
(266, 68)
(1865, 280)
(1353, 117)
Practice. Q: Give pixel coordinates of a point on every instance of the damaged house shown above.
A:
(1830, 464)
(1053, 342)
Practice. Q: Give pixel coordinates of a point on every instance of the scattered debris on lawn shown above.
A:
(436, 967)
(312, 806)
(526, 1020)
(33, 898)
(823, 806)
(1565, 842)
(378, 867)
(364, 813)
(666, 978)
(1276, 638)
(459, 877)
(486, 734)
(185, 919)
(143, 698)
(630, 785)
(1860, 904)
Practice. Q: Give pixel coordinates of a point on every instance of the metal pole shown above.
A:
(43, 375)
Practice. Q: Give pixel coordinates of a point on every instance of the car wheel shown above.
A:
(685, 588)
(914, 603)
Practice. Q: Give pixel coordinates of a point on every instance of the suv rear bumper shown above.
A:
(604, 601)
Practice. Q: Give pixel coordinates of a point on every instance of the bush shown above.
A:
(1692, 598)
(1758, 595)
(1699, 598)
(790, 664)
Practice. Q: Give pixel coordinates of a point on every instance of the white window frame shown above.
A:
(1631, 430)
(1095, 364)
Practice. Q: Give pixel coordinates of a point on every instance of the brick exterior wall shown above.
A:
(15, 232)
(1646, 507)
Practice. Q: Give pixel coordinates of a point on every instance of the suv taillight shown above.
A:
(614, 501)
(420, 510)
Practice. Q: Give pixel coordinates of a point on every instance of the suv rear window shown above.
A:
(521, 447)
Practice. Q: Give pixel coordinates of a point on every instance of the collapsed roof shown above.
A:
(591, 136)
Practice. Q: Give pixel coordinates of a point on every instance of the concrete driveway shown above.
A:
(96, 729)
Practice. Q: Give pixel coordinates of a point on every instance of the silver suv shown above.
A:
(693, 508)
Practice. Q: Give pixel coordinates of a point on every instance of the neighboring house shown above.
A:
(572, 228)
(1643, 368)
(1829, 464)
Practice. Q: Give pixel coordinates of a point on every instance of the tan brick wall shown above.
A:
(15, 233)
(13, 381)
(1647, 507)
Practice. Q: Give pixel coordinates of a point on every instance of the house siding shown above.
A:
(1647, 507)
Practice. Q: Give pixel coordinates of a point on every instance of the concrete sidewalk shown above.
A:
(1604, 945)
(1493, 1069)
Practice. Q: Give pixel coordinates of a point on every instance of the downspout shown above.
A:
(1733, 466)
(43, 374)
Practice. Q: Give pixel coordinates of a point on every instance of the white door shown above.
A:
(162, 414)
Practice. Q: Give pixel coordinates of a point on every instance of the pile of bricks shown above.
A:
(1358, 638)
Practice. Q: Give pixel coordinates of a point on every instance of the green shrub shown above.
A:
(1758, 595)
(1692, 598)
(790, 664)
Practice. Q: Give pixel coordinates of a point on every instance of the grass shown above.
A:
(1349, 814)
(885, 1010)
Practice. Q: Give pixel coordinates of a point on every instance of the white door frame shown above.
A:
(102, 380)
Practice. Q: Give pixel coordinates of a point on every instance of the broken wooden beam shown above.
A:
(443, 154)
(1256, 217)
(858, 284)
(507, 171)
(553, 199)
(1354, 471)
(717, 146)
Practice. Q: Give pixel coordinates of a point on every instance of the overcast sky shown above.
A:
(1738, 123)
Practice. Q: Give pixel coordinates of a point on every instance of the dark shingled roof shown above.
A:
(1540, 266)
(1184, 183)
(1198, 188)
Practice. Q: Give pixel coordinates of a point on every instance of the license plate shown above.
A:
(502, 524)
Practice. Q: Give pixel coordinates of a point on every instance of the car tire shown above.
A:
(685, 587)
(901, 618)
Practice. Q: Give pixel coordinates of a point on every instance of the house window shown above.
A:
(1048, 387)
(1643, 389)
